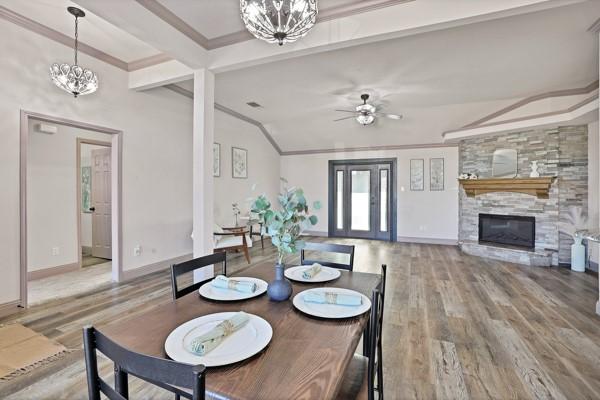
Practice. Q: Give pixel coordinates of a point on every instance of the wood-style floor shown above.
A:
(455, 327)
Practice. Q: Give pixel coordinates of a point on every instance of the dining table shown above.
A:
(306, 358)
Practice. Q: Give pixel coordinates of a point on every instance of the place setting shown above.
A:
(222, 288)
(219, 339)
(331, 303)
(315, 273)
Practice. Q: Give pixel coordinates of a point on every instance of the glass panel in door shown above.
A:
(339, 207)
(360, 201)
(383, 200)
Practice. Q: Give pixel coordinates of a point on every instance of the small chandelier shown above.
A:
(73, 78)
(279, 21)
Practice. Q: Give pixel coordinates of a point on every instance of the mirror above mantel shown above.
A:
(539, 187)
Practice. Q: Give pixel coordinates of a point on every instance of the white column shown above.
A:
(598, 302)
(203, 138)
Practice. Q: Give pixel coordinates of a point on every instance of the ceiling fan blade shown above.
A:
(390, 116)
(350, 111)
(341, 119)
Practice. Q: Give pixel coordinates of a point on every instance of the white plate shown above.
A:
(247, 341)
(210, 292)
(331, 310)
(325, 275)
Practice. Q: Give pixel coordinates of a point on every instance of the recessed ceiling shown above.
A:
(215, 18)
(93, 31)
(438, 81)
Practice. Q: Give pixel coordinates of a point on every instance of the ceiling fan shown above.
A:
(365, 113)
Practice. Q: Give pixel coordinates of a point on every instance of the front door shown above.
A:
(361, 197)
(101, 204)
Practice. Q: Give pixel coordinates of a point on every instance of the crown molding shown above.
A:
(595, 28)
(172, 19)
(148, 62)
(162, 12)
(59, 37)
(235, 114)
(49, 33)
(556, 93)
(370, 148)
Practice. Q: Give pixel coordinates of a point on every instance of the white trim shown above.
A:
(598, 307)
(154, 267)
(52, 271)
(425, 240)
(587, 107)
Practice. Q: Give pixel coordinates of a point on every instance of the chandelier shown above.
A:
(279, 21)
(73, 78)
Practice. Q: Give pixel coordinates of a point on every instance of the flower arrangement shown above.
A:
(236, 212)
(286, 224)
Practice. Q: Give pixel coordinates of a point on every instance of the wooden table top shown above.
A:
(306, 358)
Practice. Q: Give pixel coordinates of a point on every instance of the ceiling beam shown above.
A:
(134, 18)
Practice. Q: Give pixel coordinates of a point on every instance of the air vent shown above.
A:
(253, 104)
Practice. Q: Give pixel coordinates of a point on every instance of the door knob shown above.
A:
(92, 209)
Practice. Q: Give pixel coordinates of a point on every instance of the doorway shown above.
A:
(94, 201)
(362, 199)
(50, 208)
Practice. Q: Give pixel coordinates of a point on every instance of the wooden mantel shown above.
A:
(539, 187)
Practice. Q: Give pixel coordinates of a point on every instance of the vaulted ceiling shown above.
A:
(440, 63)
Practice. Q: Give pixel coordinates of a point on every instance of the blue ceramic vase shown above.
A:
(280, 289)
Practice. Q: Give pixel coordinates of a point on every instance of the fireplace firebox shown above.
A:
(507, 230)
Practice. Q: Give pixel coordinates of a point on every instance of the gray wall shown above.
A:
(560, 152)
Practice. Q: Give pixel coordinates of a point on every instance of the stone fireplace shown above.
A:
(560, 152)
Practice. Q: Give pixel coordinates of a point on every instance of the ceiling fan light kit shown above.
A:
(279, 21)
(366, 113)
(73, 78)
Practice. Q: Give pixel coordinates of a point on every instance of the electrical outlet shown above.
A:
(55, 251)
(137, 251)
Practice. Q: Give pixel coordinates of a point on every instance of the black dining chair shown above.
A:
(192, 265)
(364, 375)
(328, 248)
(167, 374)
(381, 288)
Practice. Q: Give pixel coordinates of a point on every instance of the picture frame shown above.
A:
(417, 174)
(239, 163)
(436, 174)
(216, 159)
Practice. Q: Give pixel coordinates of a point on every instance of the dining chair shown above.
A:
(191, 265)
(328, 248)
(381, 288)
(364, 375)
(169, 375)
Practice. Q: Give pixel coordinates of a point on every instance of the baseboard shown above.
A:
(9, 308)
(421, 240)
(155, 267)
(46, 272)
(315, 233)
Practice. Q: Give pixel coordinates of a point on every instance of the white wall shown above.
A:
(52, 195)
(86, 217)
(263, 167)
(157, 155)
(423, 215)
(593, 181)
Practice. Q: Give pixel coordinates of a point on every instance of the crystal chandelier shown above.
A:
(279, 21)
(73, 78)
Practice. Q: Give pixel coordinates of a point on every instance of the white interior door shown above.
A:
(101, 204)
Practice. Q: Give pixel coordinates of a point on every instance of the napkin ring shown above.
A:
(227, 327)
(231, 284)
(331, 298)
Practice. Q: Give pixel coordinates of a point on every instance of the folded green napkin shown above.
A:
(310, 273)
(223, 282)
(211, 339)
(333, 298)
